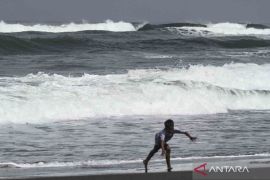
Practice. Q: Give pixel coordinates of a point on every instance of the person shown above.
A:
(161, 139)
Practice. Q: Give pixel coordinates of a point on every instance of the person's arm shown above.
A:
(185, 133)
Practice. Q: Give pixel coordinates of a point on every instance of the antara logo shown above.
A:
(227, 169)
(220, 169)
(201, 169)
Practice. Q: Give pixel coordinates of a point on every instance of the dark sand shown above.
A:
(186, 175)
(254, 174)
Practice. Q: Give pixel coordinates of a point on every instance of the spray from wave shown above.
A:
(195, 90)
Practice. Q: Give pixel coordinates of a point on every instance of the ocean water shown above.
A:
(82, 98)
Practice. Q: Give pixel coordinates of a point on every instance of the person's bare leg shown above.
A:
(150, 155)
(168, 158)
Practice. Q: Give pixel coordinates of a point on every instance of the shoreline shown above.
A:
(257, 169)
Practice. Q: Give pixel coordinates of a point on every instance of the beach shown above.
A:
(85, 100)
(233, 169)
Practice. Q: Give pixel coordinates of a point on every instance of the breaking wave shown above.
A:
(197, 89)
(42, 38)
(71, 27)
(225, 29)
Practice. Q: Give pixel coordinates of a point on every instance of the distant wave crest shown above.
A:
(71, 27)
(42, 38)
(225, 28)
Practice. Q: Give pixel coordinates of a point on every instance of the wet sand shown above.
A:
(186, 175)
(254, 174)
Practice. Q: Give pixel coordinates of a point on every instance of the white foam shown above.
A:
(227, 28)
(108, 25)
(156, 56)
(109, 163)
(89, 163)
(260, 155)
(38, 98)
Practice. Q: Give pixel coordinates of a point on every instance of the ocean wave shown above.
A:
(108, 25)
(222, 90)
(51, 44)
(38, 98)
(16, 45)
(179, 36)
(74, 42)
(215, 42)
(225, 29)
(228, 26)
(147, 26)
(257, 26)
(110, 163)
(211, 29)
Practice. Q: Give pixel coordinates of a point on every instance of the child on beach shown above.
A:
(161, 140)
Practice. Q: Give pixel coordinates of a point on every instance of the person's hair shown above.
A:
(169, 124)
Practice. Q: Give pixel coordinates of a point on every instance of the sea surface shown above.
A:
(88, 98)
